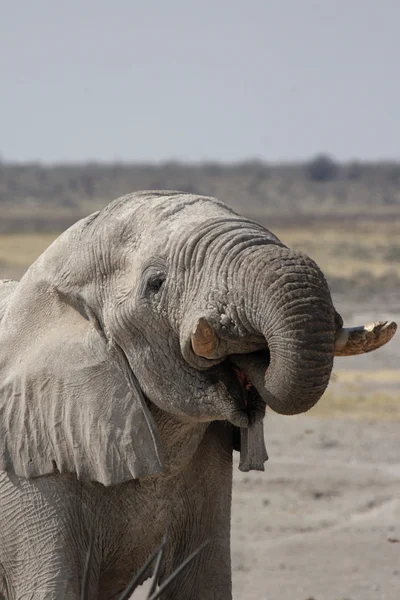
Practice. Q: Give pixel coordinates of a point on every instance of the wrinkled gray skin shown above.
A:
(108, 419)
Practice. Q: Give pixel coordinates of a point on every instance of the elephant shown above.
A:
(136, 353)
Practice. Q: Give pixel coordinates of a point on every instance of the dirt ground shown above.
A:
(323, 521)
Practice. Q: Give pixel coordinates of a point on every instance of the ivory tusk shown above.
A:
(359, 340)
(204, 339)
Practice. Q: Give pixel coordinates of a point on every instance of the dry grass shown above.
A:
(344, 250)
(363, 406)
(385, 377)
(22, 249)
(370, 395)
(18, 251)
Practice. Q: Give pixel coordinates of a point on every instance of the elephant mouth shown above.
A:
(250, 402)
(246, 412)
(253, 453)
(245, 406)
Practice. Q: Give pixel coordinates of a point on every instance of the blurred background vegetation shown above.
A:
(345, 215)
(41, 198)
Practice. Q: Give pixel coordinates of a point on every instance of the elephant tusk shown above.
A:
(204, 339)
(359, 340)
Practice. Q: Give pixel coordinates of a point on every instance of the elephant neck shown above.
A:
(180, 440)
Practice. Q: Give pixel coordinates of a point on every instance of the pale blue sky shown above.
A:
(195, 80)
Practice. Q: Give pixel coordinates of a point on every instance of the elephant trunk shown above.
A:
(289, 303)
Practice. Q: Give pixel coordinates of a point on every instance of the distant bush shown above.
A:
(322, 168)
(354, 170)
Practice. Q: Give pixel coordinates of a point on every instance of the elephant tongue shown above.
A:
(253, 452)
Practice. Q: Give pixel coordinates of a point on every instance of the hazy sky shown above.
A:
(197, 79)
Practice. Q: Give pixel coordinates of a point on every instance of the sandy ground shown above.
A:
(323, 521)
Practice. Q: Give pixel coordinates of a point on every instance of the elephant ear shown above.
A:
(69, 401)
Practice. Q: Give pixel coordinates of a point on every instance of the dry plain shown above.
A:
(323, 521)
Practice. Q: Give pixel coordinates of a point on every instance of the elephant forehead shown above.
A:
(179, 221)
(172, 221)
(188, 209)
(153, 217)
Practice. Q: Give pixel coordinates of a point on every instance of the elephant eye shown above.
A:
(155, 283)
(153, 277)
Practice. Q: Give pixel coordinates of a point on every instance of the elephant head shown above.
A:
(160, 299)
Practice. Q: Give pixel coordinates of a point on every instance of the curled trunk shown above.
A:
(289, 303)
